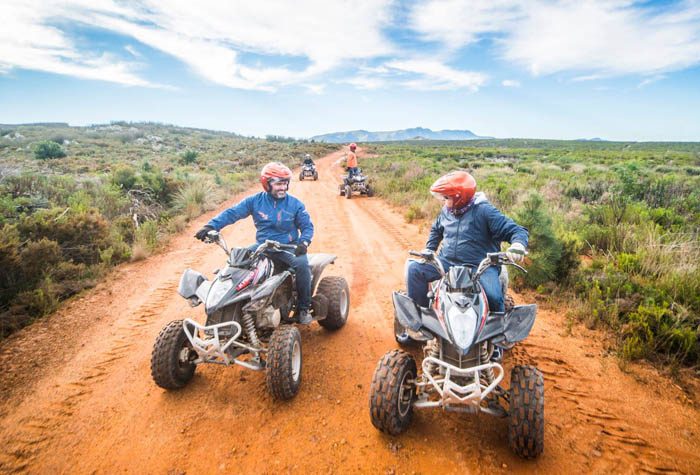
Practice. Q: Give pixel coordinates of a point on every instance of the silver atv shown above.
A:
(355, 183)
(459, 370)
(249, 322)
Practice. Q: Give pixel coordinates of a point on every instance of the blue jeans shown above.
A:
(420, 274)
(302, 271)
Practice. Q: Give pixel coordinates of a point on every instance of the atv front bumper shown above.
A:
(452, 395)
(209, 346)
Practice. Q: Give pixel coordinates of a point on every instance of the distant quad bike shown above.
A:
(308, 170)
(356, 183)
(459, 371)
(248, 308)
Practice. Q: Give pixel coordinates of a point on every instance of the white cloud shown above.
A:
(210, 36)
(366, 82)
(436, 76)
(599, 37)
(132, 51)
(651, 80)
(510, 83)
(27, 42)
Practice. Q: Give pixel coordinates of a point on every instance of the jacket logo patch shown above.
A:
(263, 215)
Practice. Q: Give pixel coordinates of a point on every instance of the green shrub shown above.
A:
(124, 177)
(544, 247)
(189, 156)
(194, 197)
(48, 150)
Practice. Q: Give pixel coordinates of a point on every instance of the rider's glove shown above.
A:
(202, 233)
(301, 249)
(516, 252)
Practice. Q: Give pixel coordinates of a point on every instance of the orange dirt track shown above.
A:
(77, 395)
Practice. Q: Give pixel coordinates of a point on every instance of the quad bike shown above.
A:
(459, 370)
(248, 308)
(308, 170)
(355, 183)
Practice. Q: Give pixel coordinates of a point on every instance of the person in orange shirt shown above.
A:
(351, 161)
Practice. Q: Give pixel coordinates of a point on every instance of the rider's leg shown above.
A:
(492, 286)
(417, 277)
(302, 271)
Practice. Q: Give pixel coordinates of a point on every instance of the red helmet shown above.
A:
(458, 185)
(274, 171)
(352, 147)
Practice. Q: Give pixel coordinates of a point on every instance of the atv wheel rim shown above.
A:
(344, 303)
(405, 394)
(183, 359)
(296, 361)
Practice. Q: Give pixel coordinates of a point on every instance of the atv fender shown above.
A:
(519, 322)
(189, 282)
(406, 311)
(509, 328)
(318, 262)
(267, 289)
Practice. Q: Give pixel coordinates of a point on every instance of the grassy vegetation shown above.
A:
(75, 201)
(630, 211)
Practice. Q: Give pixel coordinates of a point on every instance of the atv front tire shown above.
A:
(301, 177)
(526, 413)
(393, 392)
(283, 376)
(170, 364)
(315, 176)
(337, 292)
(348, 192)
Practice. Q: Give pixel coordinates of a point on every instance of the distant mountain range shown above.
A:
(416, 133)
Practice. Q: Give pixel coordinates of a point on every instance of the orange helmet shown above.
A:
(272, 172)
(458, 185)
(352, 147)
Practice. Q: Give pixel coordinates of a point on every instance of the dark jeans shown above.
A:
(302, 271)
(418, 275)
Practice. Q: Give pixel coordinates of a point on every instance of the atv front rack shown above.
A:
(210, 349)
(454, 396)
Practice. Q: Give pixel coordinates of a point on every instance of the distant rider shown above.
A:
(351, 160)
(468, 227)
(308, 160)
(280, 217)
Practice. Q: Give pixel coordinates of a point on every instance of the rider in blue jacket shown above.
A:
(468, 227)
(280, 217)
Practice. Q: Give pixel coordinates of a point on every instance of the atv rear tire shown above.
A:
(337, 292)
(370, 192)
(283, 376)
(393, 392)
(348, 192)
(170, 366)
(526, 413)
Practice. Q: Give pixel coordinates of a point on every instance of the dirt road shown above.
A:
(77, 395)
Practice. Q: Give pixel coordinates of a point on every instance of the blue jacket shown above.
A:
(467, 238)
(278, 220)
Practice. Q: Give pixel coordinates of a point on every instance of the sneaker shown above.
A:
(304, 316)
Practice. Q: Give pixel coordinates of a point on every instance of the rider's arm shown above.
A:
(233, 214)
(505, 229)
(435, 236)
(304, 224)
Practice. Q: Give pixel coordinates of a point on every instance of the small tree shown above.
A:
(47, 150)
(190, 156)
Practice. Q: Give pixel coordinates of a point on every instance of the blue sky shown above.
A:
(616, 69)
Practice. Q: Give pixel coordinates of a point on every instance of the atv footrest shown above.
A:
(453, 394)
(209, 348)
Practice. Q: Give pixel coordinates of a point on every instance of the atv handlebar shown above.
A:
(491, 259)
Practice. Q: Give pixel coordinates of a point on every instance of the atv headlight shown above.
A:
(217, 291)
(462, 326)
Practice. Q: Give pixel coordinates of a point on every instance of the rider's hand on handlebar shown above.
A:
(516, 252)
(202, 233)
(301, 249)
